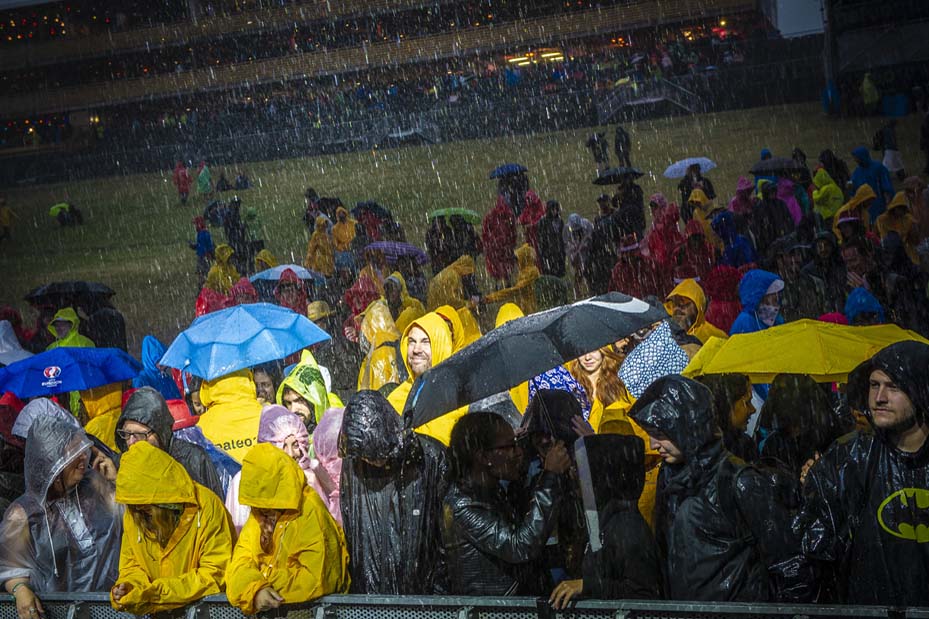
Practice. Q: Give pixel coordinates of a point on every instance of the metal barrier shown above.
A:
(97, 606)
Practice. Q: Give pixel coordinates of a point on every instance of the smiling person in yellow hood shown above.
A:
(232, 412)
(290, 550)
(427, 342)
(687, 306)
(177, 536)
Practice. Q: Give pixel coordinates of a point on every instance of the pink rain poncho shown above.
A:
(328, 465)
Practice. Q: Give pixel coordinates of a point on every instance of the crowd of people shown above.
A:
(609, 476)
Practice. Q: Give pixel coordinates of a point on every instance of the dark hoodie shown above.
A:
(873, 173)
(391, 513)
(724, 534)
(148, 407)
(865, 501)
(823, 280)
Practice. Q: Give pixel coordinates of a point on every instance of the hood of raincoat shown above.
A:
(228, 389)
(689, 289)
(270, 479)
(52, 444)
(862, 156)
(38, 409)
(149, 476)
(860, 300)
(450, 314)
(223, 253)
(148, 407)
(69, 315)
(506, 313)
(307, 380)
(682, 410)
(10, 349)
(371, 428)
(822, 178)
(698, 196)
(656, 356)
(288, 276)
(151, 375)
(277, 423)
(724, 227)
(244, 288)
(906, 363)
(754, 286)
(440, 338)
(378, 326)
(864, 193)
(550, 412)
(267, 259)
(744, 185)
(525, 256)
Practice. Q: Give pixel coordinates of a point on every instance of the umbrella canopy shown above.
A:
(374, 208)
(526, 347)
(775, 166)
(57, 208)
(678, 169)
(613, 176)
(240, 337)
(472, 217)
(274, 273)
(825, 351)
(67, 369)
(56, 292)
(10, 349)
(395, 249)
(508, 169)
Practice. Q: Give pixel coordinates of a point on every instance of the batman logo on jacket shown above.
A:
(905, 514)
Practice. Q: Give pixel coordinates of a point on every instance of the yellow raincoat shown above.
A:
(446, 287)
(702, 208)
(343, 232)
(700, 329)
(308, 558)
(904, 225)
(827, 197)
(308, 381)
(520, 393)
(412, 307)
(464, 327)
(319, 255)
(440, 340)
(222, 276)
(265, 260)
(232, 412)
(73, 338)
(104, 406)
(471, 330)
(855, 208)
(522, 293)
(380, 363)
(194, 561)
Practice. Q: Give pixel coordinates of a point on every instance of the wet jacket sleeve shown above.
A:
(494, 534)
(170, 592)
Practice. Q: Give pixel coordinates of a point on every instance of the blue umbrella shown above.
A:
(508, 169)
(240, 337)
(678, 169)
(67, 369)
(274, 274)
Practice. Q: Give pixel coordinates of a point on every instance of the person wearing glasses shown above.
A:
(493, 547)
(146, 418)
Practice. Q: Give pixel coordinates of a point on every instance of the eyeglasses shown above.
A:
(126, 435)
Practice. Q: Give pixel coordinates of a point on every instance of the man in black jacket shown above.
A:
(718, 520)
(864, 519)
(392, 486)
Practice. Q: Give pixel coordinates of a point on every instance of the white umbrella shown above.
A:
(678, 169)
(274, 273)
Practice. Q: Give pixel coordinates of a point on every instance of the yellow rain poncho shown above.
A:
(440, 340)
(194, 561)
(307, 380)
(319, 254)
(379, 367)
(700, 329)
(902, 223)
(446, 287)
(343, 232)
(265, 260)
(232, 412)
(520, 393)
(462, 324)
(73, 338)
(827, 197)
(703, 206)
(308, 557)
(412, 308)
(222, 276)
(104, 406)
(522, 293)
(856, 207)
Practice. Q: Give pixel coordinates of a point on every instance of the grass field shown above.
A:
(135, 233)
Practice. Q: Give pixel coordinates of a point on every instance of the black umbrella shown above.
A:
(613, 176)
(374, 208)
(56, 292)
(524, 348)
(775, 166)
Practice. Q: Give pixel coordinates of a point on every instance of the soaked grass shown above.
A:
(135, 233)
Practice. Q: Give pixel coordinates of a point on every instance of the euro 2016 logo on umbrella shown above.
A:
(51, 374)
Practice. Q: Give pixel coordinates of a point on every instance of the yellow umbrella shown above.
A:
(825, 351)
